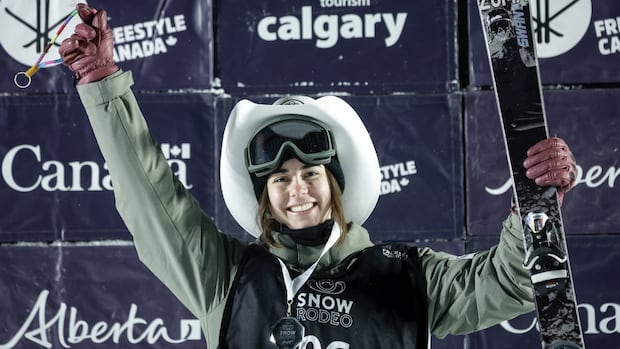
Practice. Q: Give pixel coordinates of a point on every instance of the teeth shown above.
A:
(303, 207)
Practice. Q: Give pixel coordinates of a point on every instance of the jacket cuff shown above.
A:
(513, 226)
(107, 89)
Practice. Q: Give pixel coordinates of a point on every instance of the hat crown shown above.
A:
(294, 100)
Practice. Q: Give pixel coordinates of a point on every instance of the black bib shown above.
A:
(379, 302)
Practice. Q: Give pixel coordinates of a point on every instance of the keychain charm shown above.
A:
(23, 79)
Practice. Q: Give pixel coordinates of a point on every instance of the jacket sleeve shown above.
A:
(173, 236)
(476, 291)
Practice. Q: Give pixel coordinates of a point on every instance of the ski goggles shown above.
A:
(310, 141)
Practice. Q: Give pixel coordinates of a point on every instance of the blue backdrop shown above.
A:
(417, 74)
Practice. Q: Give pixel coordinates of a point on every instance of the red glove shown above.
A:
(89, 51)
(551, 163)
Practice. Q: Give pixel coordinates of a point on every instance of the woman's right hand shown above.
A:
(89, 51)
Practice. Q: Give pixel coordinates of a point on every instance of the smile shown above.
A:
(302, 207)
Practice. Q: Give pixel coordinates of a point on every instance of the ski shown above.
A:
(507, 26)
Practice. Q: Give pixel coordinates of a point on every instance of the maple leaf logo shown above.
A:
(171, 40)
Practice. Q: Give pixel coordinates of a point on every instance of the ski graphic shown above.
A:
(514, 66)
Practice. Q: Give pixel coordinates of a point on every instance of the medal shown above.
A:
(288, 333)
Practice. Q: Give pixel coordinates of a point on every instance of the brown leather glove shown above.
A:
(551, 163)
(89, 51)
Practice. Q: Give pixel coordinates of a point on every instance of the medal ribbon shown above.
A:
(294, 285)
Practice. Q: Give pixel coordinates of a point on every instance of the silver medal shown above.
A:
(288, 333)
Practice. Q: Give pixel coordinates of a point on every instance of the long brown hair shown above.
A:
(267, 222)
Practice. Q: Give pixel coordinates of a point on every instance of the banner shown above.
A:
(593, 260)
(357, 46)
(54, 182)
(578, 42)
(587, 120)
(81, 296)
(167, 45)
(418, 142)
(99, 295)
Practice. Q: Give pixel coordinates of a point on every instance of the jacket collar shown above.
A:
(299, 257)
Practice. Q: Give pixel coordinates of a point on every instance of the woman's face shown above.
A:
(299, 194)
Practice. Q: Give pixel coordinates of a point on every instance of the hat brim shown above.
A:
(355, 150)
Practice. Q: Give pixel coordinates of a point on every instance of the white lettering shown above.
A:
(520, 28)
(351, 27)
(329, 28)
(148, 29)
(140, 49)
(7, 167)
(394, 27)
(391, 186)
(344, 3)
(74, 176)
(338, 345)
(325, 28)
(371, 21)
(614, 319)
(610, 45)
(591, 318)
(263, 29)
(599, 27)
(594, 177)
(324, 302)
(398, 170)
(508, 327)
(607, 325)
(608, 29)
(37, 327)
(315, 343)
(145, 39)
(55, 178)
(289, 28)
(488, 4)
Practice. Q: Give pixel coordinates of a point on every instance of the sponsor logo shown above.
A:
(145, 39)
(324, 306)
(32, 25)
(324, 309)
(394, 254)
(396, 176)
(52, 175)
(66, 328)
(559, 25)
(327, 286)
(604, 320)
(327, 29)
(594, 177)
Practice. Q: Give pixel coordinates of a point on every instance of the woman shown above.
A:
(302, 176)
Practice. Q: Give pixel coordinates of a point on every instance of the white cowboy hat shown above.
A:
(355, 151)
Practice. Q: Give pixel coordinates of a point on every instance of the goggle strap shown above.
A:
(320, 158)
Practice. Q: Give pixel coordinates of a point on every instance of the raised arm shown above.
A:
(173, 236)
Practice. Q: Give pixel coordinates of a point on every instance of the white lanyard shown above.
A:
(293, 286)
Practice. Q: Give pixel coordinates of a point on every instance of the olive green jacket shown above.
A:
(182, 246)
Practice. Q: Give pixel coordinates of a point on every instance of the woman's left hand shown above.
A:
(551, 163)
